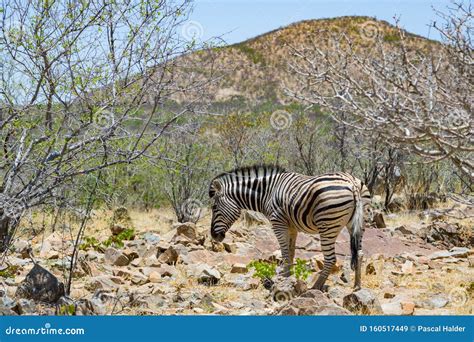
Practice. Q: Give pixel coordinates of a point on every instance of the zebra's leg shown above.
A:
(282, 234)
(293, 233)
(328, 242)
(357, 281)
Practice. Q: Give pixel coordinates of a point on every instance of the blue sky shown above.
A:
(237, 20)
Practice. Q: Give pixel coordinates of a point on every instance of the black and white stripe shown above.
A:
(293, 203)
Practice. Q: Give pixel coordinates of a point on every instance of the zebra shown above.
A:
(294, 203)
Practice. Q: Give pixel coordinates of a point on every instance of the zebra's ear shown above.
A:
(217, 187)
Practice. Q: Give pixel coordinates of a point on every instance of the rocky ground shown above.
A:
(415, 264)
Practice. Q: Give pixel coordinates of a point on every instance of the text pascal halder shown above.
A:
(440, 328)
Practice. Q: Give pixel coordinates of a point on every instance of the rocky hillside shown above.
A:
(416, 265)
(257, 70)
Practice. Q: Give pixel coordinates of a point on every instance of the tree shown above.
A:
(81, 89)
(417, 95)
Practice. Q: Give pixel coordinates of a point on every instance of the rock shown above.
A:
(244, 282)
(370, 268)
(362, 301)
(7, 306)
(378, 220)
(103, 282)
(154, 277)
(286, 288)
(446, 234)
(52, 245)
(312, 302)
(205, 274)
(403, 230)
(408, 308)
(25, 307)
(117, 228)
(239, 268)
(151, 238)
(22, 247)
(152, 262)
(116, 257)
(408, 267)
(455, 252)
(169, 256)
(187, 229)
(230, 247)
(388, 295)
(392, 308)
(40, 285)
(436, 302)
(137, 262)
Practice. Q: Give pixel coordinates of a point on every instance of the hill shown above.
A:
(256, 70)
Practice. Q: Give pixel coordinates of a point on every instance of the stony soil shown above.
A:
(172, 268)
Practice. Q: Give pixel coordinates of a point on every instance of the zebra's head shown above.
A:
(225, 211)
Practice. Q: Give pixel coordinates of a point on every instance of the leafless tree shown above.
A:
(416, 94)
(82, 88)
(188, 163)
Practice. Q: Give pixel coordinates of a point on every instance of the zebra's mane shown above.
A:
(247, 169)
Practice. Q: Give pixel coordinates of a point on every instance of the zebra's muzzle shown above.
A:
(218, 236)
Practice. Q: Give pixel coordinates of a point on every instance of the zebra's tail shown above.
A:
(356, 229)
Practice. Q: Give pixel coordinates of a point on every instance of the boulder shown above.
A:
(169, 256)
(117, 228)
(408, 267)
(392, 308)
(312, 302)
(408, 308)
(437, 301)
(244, 282)
(455, 252)
(187, 229)
(22, 247)
(25, 307)
(230, 247)
(402, 230)
(378, 220)
(239, 268)
(40, 285)
(447, 234)
(7, 305)
(52, 245)
(286, 288)
(362, 301)
(103, 282)
(205, 274)
(151, 238)
(116, 257)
